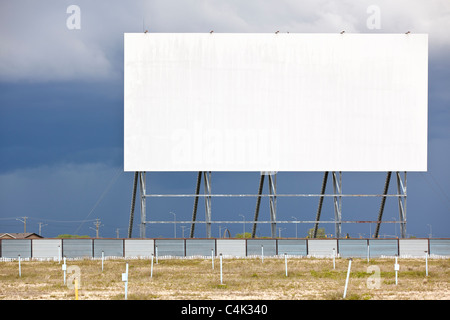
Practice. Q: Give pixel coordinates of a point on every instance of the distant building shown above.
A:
(13, 235)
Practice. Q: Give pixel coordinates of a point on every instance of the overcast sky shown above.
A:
(61, 116)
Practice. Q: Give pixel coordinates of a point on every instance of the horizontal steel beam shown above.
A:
(278, 195)
(290, 221)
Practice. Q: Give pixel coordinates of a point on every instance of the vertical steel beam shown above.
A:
(319, 209)
(194, 212)
(273, 203)
(258, 203)
(383, 202)
(133, 203)
(143, 209)
(401, 189)
(207, 181)
(337, 188)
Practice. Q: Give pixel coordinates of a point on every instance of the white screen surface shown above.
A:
(275, 102)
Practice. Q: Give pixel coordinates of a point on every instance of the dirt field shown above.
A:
(243, 279)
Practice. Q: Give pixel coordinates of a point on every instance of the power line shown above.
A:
(62, 221)
(24, 221)
(440, 194)
(113, 180)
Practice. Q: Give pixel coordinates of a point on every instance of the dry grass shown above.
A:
(194, 279)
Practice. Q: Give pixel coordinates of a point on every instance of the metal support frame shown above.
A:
(337, 188)
(133, 204)
(383, 202)
(207, 195)
(319, 209)
(273, 203)
(142, 188)
(337, 201)
(194, 212)
(258, 203)
(272, 177)
(401, 190)
(207, 180)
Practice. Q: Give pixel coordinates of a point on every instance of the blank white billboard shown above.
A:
(275, 102)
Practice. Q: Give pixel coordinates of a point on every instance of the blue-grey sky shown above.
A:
(61, 117)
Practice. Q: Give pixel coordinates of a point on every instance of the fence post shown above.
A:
(20, 268)
(212, 258)
(426, 262)
(103, 258)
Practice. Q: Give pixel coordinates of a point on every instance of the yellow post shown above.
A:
(76, 289)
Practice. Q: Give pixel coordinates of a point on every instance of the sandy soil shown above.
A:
(243, 279)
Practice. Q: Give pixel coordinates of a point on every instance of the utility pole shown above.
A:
(40, 227)
(182, 230)
(243, 222)
(117, 232)
(97, 226)
(24, 221)
(174, 224)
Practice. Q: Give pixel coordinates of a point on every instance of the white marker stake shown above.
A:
(348, 276)
(396, 268)
(426, 262)
(285, 263)
(156, 254)
(125, 279)
(151, 269)
(59, 254)
(212, 258)
(20, 268)
(368, 253)
(64, 268)
(334, 258)
(262, 254)
(221, 279)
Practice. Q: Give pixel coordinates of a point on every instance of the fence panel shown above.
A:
(46, 248)
(322, 247)
(254, 247)
(12, 248)
(110, 247)
(170, 247)
(383, 247)
(352, 248)
(139, 247)
(292, 247)
(413, 247)
(231, 247)
(77, 248)
(200, 247)
(80, 248)
(440, 247)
